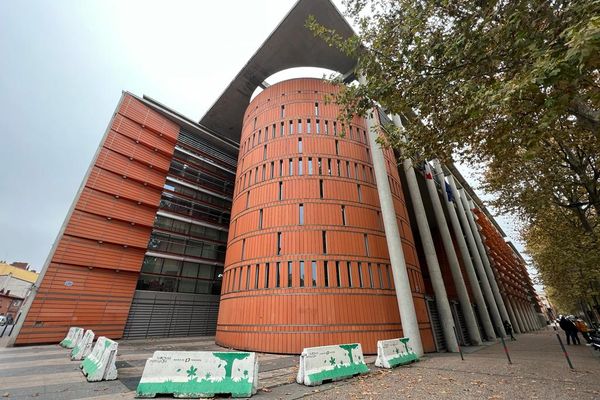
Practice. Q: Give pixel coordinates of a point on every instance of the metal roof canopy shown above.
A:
(290, 45)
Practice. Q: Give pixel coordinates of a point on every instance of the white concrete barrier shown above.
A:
(330, 363)
(100, 364)
(199, 374)
(72, 337)
(394, 352)
(83, 347)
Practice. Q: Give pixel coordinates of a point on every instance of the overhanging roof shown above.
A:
(290, 45)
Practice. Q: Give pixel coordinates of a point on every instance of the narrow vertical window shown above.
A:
(266, 133)
(248, 198)
(291, 167)
(349, 269)
(257, 273)
(260, 218)
(364, 169)
(387, 267)
(365, 136)
(256, 175)
(243, 248)
(308, 126)
(379, 272)
(277, 278)
(267, 272)
(273, 131)
(254, 123)
(253, 139)
(310, 166)
(280, 190)
(299, 126)
(319, 164)
(290, 274)
(356, 171)
(338, 276)
(264, 172)
(360, 277)
(259, 135)
(348, 169)
(313, 273)
(301, 273)
(291, 130)
(350, 131)
(300, 167)
(281, 130)
(379, 220)
(300, 146)
(280, 167)
(248, 277)
(337, 147)
(339, 171)
(324, 238)
(359, 193)
(343, 215)
(282, 113)
(326, 127)
(321, 188)
(326, 272)
(265, 152)
(368, 154)
(366, 240)
(317, 109)
(329, 166)
(272, 169)
(369, 269)
(278, 243)
(318, 126)
(301, 214)
(334, 128)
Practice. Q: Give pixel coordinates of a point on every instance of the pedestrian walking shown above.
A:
(570, 330)
(509, 330)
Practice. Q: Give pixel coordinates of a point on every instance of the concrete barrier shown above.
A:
(330, 363)
(100, 364)
(199, 374)
(72, 337)
(394, 352)
(83, 348)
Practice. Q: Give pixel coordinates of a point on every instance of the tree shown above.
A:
(513, 85)
(485, 82)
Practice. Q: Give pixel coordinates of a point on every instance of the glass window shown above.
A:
(369, 269)
(291, 167)
(290, 266)
(299, 126)
(349, 270)
(171, 267)
(300, 169)
(301, 214)
(313, 271)
(326, 272)
(360, 277)
(308, 124)
(187, 285)
(310, 166)
(189, 269)
(206, 271)
(267, 272)
(152, 265)
(300, 146)
(277, 277)
(301, 273)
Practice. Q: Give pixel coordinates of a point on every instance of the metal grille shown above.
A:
(163, 314)
(436, 325)
(460, 324)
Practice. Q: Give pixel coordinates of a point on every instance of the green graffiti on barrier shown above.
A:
(403, 359)
(338, 372)
(89, 366)
(348, 348)
(229, 358)
(206, 387)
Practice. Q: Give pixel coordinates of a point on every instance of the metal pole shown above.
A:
(505, 350)
(457, 342)
(562, 346)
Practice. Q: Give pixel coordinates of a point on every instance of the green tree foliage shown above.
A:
(513, 85)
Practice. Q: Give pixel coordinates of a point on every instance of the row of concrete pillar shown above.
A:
(493, 307)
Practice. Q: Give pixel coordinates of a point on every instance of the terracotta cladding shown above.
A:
(509, 269)
(306, 202)
(94, 267)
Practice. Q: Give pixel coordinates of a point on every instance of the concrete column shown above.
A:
(486, 321)
(484, 257)
(406, 306)
(512, 317)
(533, 315)
(524, 316)
(476, 259)
(513, 303)
(433, 266)
(459, 282)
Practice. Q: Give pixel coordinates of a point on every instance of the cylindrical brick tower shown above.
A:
(307, 262)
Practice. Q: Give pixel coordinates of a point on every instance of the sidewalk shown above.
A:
(539, 370)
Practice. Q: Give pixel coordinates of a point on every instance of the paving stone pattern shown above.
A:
(539, 371)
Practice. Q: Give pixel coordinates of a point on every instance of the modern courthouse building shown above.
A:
(275, 226)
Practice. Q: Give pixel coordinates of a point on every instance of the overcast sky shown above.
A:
(63, 65)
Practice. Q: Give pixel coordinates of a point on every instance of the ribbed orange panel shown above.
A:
(93, 271)
(510, 270)
(337, 302)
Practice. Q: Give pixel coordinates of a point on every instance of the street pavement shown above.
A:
(539, 371)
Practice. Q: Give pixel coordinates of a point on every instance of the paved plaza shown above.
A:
(539, 370)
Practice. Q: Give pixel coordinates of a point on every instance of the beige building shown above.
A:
(16, 280)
